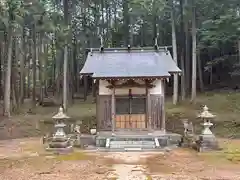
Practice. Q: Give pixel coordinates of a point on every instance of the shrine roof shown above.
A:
(134, 63)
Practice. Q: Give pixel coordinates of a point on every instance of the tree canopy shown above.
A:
(35, 34)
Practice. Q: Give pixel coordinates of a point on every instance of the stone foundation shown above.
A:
(127, 141)
(207, 143)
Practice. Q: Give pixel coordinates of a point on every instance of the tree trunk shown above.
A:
(53, 83)
(7, 92)
(22, 65)
(14, 89)
(78, 67)
(194, 58)
(34, 68)
(65, 71)
(199, 63)
(238, 50)
(102, 14)
(187, 50)
(29, 67)
(108, 25)
(65, 60)
(154, 20)
(1, 69)
(41, 60)
(46, 48)
(38, 69)
(126, 22)
(14, 78)
(115, 16)
(84, 24)
(131, 40)
(183, 82)
(174, 44)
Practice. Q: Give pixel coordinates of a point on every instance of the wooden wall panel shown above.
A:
(156, 111)
(104, 115)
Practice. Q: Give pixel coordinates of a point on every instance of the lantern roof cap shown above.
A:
(60, 114)
(205, 113)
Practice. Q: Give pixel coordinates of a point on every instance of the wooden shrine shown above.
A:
(130, 87)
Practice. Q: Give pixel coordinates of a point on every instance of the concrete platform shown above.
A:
(130, 140)
(164, 138)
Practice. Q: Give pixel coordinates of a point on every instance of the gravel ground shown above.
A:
(64, 171)
(24, 159)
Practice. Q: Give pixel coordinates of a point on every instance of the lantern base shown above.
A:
(60, 150)
(207, 143)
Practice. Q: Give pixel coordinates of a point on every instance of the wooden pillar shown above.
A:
(97, 108)
(175, 88)
(148, 109)
(163, 121)
(96, 87)
(85, 86)
(94, 90)
(113, 108)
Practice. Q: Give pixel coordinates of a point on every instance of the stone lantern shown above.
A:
(206, 116)
(207, 140)
(59, 139)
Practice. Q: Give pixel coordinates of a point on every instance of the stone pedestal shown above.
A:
(188, 141)
(207, 143)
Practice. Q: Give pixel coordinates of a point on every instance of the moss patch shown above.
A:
(229, 154)
(148, 177)
(74, 156)
(232, 151)
(32, 147)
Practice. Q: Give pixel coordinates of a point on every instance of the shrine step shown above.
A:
(131, 145)
(136, 141)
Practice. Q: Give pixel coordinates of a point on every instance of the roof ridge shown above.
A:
(138, 49)
(127, 52)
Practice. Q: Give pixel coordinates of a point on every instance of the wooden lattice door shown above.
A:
(131, 112)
